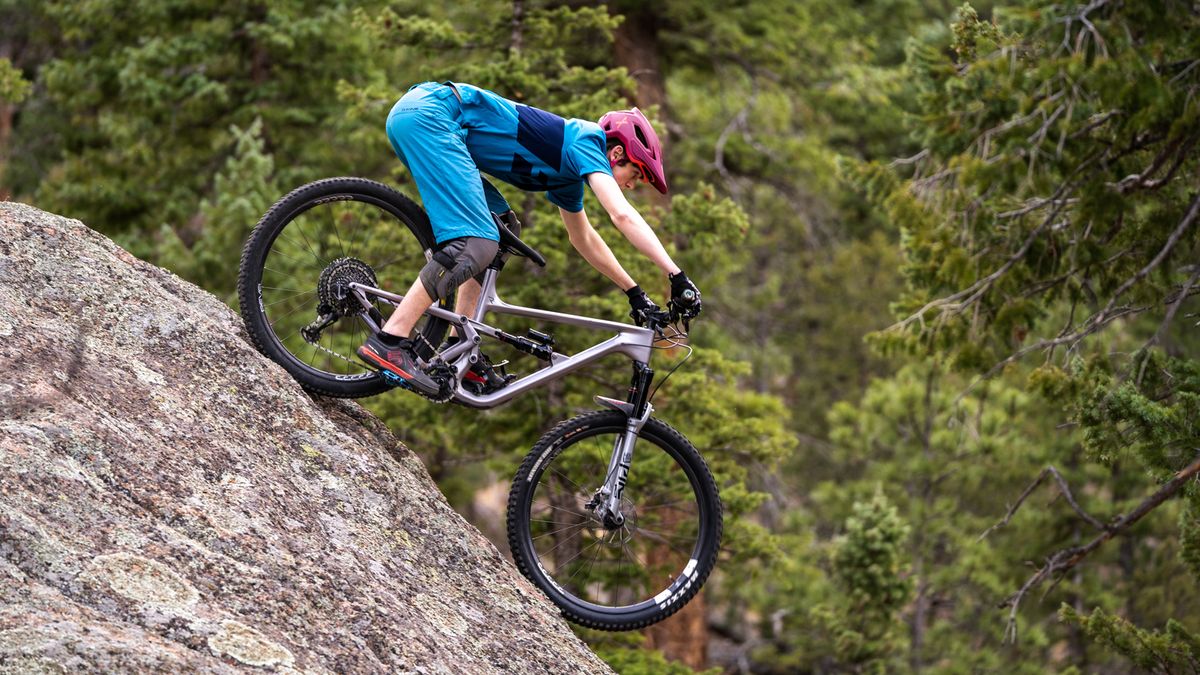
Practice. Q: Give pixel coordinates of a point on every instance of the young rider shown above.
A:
(448, 133)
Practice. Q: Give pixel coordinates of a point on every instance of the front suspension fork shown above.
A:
(637, 410)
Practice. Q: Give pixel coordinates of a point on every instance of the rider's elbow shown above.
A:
(624, 219)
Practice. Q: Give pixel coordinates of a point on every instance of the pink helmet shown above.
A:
(632, 130)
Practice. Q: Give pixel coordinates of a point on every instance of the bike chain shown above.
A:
(440, 372)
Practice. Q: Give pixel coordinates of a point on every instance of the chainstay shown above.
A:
(441, 369)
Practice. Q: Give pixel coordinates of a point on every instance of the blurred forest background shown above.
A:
(949, 253)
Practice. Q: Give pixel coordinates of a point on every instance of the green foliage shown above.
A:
(625, 655)
(243, 190)
(870, 570)
(1173, 650)
(1048, 155)
(147, 93)
(13, 87)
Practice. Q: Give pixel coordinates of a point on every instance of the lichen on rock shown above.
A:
(173, 502)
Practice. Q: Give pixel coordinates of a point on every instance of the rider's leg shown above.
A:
(457, 261)
(468, 298)
(428, 134)
(415, 302)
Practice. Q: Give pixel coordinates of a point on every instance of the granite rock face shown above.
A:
(170, 500)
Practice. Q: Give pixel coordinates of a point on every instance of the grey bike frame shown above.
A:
(633, 341)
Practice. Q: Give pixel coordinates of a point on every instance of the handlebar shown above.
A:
(659, 321)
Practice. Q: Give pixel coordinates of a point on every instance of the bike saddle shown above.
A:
(509, 243)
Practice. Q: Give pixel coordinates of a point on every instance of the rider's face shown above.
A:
(628, 175)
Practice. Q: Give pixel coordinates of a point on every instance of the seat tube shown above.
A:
(486, 295)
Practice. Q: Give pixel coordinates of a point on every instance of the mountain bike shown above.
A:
(617, 539)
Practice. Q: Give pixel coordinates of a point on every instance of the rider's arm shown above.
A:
(587, 241)
(630, 222)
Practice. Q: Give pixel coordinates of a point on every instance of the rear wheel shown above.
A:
(298, 263)
(602, 574)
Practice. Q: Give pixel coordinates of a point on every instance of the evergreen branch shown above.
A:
(1064, 489)
(904, 161)
(956, 302)
(1162, 254)
(1183, 295)
(1096, 121)
(1110, 312)
(1033, 205)
(976, 290)
(1180, 147)
(1064, 560)
(1090, 326)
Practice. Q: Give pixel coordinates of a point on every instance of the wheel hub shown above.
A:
(333, 288)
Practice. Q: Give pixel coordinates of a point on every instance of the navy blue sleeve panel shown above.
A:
(542, 134)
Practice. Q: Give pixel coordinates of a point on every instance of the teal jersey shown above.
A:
(530, 148)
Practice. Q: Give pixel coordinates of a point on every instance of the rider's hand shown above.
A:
(685, 297)
(641, 306)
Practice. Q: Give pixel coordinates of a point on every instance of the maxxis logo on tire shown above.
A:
(332, 198)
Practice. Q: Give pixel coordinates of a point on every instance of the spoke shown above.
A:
(313, 264)
(589, 565)
(632, 555)
(333, 217)
(550, 522)
(280, 288)
(581, 552)
(657, 535)
(280, 318)
(667, 505)
(561, 529)
(666, 542)
(565, 510)
(290, 297)
(578, 487)
(320, 261)
(555, 548)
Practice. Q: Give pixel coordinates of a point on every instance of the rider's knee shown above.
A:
(457, 260)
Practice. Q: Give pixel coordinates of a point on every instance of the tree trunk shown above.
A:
(684, 636)
(635, 46)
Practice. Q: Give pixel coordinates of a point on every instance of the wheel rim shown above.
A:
(644, 563)
(323, 245)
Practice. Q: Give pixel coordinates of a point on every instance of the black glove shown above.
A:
(685, 297)
(641, 306)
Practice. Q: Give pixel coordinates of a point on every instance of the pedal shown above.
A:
(394, 379)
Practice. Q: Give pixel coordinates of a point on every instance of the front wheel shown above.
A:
(603, 575)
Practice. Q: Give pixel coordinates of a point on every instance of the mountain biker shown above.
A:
(448, 133)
